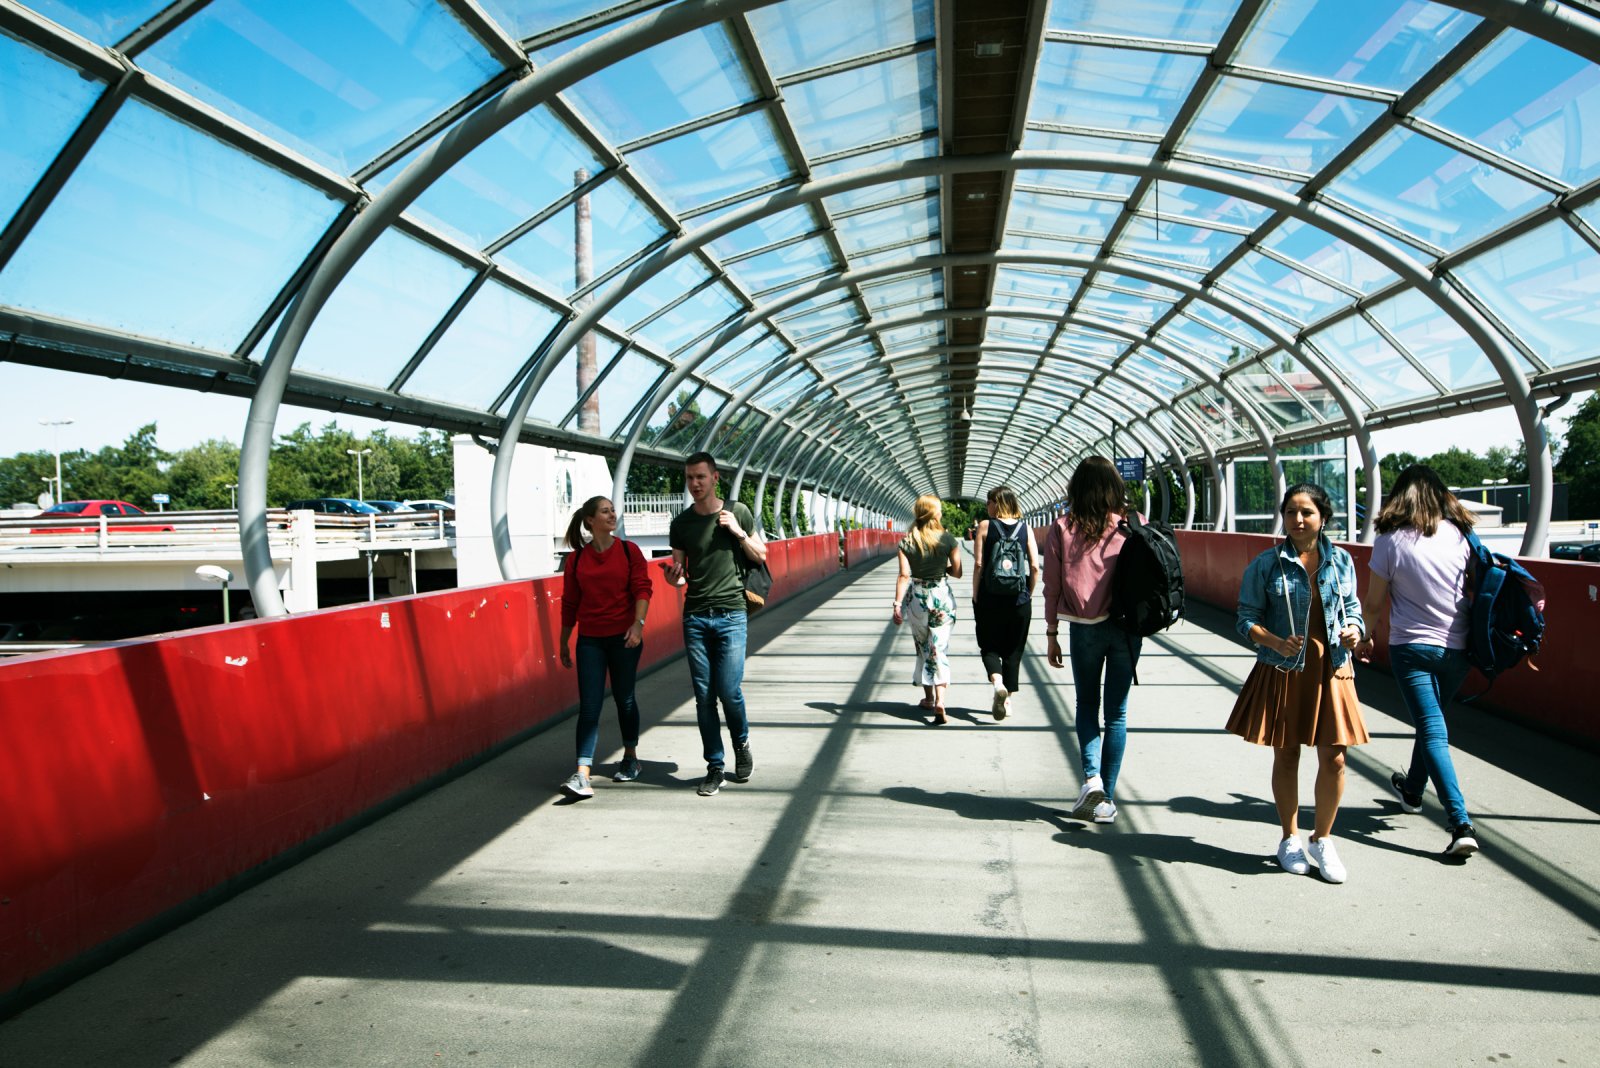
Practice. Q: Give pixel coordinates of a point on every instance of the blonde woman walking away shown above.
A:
(929, 558)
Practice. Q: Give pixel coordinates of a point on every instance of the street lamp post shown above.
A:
(56, 448)
(361, 489)
(233, 496)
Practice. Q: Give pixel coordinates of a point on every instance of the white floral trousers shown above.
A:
(930, 609)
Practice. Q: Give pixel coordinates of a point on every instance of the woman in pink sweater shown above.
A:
(1080, 553)
(605, 594)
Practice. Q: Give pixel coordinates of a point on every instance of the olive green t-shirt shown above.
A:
(712, 557)
(929, 567)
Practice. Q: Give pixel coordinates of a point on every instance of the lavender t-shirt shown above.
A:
(1427, 585)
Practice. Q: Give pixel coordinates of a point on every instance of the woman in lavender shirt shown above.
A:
(1419, 566)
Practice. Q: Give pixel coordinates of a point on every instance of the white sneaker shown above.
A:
(1329, 866)
(1292, 856)
(1105, 812)
(1001, 703)
(1093, 792)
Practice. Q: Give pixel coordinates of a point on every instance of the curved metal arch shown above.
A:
(1494, 346)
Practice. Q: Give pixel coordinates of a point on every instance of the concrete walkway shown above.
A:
(883, 892)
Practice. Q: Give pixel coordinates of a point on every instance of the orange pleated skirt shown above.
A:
(1315, 706)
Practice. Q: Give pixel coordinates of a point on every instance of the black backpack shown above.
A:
(1005, 573)
(1147, 583)
(1506, 621)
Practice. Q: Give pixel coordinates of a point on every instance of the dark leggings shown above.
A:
(1003, 637)
(597, 658)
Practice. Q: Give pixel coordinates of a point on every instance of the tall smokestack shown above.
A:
(583, 252)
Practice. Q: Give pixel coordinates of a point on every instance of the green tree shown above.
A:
(1579, 462)
(199, 476)
(22, 475)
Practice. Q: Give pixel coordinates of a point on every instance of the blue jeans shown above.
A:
(714, 645)
(1429, 676)
(1096, 649)
(597, 657)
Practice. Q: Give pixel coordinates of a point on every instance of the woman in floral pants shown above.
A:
(929, 558)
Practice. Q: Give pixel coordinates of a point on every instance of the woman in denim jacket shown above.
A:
(1302, 691)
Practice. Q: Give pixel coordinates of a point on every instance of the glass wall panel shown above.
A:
(620, 226)
(560, 391)
(1111, 88)
(767, 230)
(1546, 286)
(782, 266)
(1190, 248)
(805, 34)
(382, 311)
(701, 312)
(528, 18)
(1022, 286)
(714, 163)
(736, 436)
(1434, 339)
(682, 419)
(1530, 100)
(520, 171)
(1326, 254)
(497, 332)
(659, 291)
(623, 387)
(1294, 295)
(1196, 21)
(165, 232)
(1432, 192)
(860, 107)
(1276, 126)
(1386, 46)
(735, 370)
(339, 80)
(874, 229)
(1170, 200)
(41, 104)
(689, 77)
(1370, 363)
(104, 22)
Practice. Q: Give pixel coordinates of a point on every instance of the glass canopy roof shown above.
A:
(1216, 226)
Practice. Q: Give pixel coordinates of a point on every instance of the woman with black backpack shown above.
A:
(1419, 572)
(1080, 559)
(1005, 572)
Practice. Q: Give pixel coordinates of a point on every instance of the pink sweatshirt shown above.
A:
(1077, 575)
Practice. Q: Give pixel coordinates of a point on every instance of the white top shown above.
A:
(1427, 585)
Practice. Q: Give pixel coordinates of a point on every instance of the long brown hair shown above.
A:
(1096, 496)
(580, 520)
(927, 522)
(1421, 500)
(1004, 500)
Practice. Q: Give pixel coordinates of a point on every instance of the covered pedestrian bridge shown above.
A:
(859, 251)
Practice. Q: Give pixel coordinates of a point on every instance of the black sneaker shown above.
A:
(1409, 802)
(743, 764)
(711, 784)
(1463, 841)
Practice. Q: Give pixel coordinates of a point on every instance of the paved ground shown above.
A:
(888, 893)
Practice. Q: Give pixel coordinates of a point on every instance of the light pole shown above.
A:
(233, 496)
(358, 454)
(56, 448)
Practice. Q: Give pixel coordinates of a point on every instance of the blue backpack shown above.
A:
(1507, 623)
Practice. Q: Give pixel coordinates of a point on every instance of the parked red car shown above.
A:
(109, 509)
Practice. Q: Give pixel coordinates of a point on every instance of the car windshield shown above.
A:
(363, 508)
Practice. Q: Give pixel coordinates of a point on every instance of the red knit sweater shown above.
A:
(599, 589)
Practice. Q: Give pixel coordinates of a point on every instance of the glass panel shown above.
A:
(678, 422)
(894, 254)
(383, 311)
(1370, 363)
(874, 229)
(737, 369)
(1199, 21)
(1111, 88)
(484, 348)
(621, 226)
(863, 106)
(1423, 188)
(339, 80)
(629, 382)
(1326, 254)
(1125, 306)
(714, 163)
(41, 103)
(689, 77)
(529, 18)
(1050, 141)
(1544, 285)
(1294, 295)
(1191, 248)
(783, 265)
(1025, 287)
(164, 232)
(1532, 101)
(805, 34)
(508, 179)
(700, 313)
(1384, 45)
(560, 391)
(767, 230)
(1157, 370)
(1049, 213)
(1436, 341)
(660, 290)
(1275, 125)
(737, 434)
(1172, 199)
(102, 21)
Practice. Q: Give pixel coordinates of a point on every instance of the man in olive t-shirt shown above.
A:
(711, 547)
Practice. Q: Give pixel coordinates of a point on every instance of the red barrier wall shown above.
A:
(1555, 689)
(140, 775)
(863, 545)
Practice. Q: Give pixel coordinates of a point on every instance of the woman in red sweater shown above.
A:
(605, 594)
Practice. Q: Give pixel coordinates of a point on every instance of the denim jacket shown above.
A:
(1275, 593)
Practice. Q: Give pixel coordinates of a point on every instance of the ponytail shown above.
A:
(579, 522)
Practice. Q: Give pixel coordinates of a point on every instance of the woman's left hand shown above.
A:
(635, 636)
(1350, 637)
